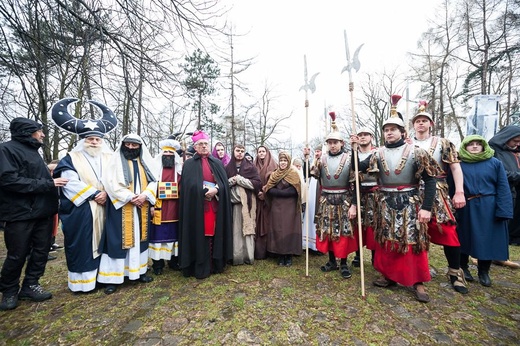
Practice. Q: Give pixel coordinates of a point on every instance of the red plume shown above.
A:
(422, 106)
(395, 99)
(332, 116)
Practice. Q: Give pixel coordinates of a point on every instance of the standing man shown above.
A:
(506, 144)
(206, 234)
(401, 235)
(334, 231)
(244, 183)
(131, 187)
(28, 203)
(83, 199)
(442, 226)
(82, 209)
(368, 187)
(164, 231)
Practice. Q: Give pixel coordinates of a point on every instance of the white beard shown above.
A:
(93, 151)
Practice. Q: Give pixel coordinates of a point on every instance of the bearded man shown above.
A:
(164, 229)
(82, 208)
(131, 186)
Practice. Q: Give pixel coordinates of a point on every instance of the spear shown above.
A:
(355, 64)
(308, 86)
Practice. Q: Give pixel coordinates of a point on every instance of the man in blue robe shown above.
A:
(82, 209)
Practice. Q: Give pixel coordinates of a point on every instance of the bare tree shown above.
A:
(89, 48)
(260, 124)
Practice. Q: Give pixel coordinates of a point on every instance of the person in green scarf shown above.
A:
(482, 223)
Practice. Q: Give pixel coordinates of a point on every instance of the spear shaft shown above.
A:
(356, 168)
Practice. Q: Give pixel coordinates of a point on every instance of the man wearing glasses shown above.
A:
(205, 239)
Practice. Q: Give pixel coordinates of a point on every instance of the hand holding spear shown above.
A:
(355, 64)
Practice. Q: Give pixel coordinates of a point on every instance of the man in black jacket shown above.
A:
(506, 144)
(28, 202)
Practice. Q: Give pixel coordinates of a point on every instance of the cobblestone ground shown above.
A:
(264, 304)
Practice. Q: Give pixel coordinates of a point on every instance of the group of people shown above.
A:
(415, 191)
(197, 213)
(120, 210)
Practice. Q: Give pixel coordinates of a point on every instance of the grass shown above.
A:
(266, 304)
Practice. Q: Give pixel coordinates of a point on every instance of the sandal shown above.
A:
(384, 282)
(345, 272)
(422, 297)
(329, 266)
(457, 280)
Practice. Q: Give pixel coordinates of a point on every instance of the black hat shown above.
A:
(83, 127)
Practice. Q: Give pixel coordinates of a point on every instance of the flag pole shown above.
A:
(308, 86)
(350, 65)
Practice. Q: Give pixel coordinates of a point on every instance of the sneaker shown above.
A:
(56, 247)
(51, 257)
(9, 302)
(34, 293)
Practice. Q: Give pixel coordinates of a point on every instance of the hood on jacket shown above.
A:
(498, 142)
(23, 127)
(22, 130)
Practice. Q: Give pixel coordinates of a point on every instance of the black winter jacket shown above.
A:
(27, 190)
(509, 158)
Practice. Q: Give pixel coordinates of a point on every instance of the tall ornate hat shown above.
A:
(422, 112)
(83, 127)
(169, 144)
(394, 118)
(334, 134)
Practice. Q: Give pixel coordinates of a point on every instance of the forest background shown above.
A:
(170, 67)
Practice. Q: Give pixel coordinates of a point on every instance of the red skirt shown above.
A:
(369, 239)
(448, 236)
(341, 248)
(405, 269)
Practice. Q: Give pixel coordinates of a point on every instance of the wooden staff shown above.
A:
(308, 86)
(350, 65)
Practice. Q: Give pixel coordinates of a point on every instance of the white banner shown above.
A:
(483, 117)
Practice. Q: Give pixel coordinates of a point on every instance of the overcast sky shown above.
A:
(281, 32)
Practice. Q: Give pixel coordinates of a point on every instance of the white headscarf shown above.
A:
(118, 163)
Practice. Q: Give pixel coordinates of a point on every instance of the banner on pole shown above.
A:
(483, 117)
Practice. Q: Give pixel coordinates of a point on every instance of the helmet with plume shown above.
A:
(422, 112)
(334, 134)
(395, 117)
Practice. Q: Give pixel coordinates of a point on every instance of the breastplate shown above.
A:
(367, 179)
(427, 145)
(393, 157)
(330, 177)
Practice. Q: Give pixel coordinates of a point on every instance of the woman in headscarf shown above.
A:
(219, 152)
(265, 164)
(482, 223)
(244, 182)
(283, 191)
